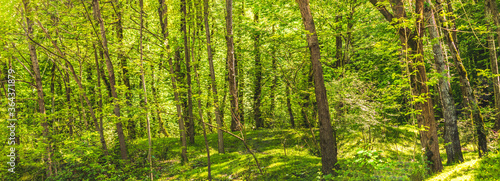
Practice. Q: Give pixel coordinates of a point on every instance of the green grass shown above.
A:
(299, 162)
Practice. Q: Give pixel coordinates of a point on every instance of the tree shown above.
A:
(259, 123)
(328, 141)
(233, 92)
(111, 74)
(452, 141)
(220, 138)
(38, 85)
(491, 10)
(469, 98)
(412, 45)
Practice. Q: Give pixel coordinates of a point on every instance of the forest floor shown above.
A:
(287, 155)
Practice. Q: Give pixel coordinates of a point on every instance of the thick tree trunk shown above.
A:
(38, 85)
(164, 23)
(235, 118)
(492, 10)
(259, 123)
(220, 137)
(328, 142)
(451, 137)
(111, 74)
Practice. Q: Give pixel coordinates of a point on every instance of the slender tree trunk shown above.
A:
(259, 123)
(451, 137)
(289, 106)
(101, 126)
(123, 62)
(111, 74)
(492, 10)
(328, 142)
(38, 85)
(274, 77)
(164, 29)
(218, 119)
(235, 118)
(143, 77)
(338, 42)
(200, 113)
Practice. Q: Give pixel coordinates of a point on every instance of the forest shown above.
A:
(249, 90)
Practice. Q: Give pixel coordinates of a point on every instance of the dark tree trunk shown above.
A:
(190, 119)
(328, 142)
(259, 123)
(289, 106)
(233, 92)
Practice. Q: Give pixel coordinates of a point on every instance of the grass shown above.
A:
(287, 155)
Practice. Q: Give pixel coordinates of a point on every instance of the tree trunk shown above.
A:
(188, 74)
(123, 62)
(289, 106)
(101, 126)
(451, 137)
(413, 40)
(235, 118)
(469, 97)
(38, 85)
(220, 137)
(164, 23)
(493, 15)
(111, 74)
(328, 142)
(143, 77)
(259, 123)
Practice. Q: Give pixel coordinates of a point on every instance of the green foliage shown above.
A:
(371, 165)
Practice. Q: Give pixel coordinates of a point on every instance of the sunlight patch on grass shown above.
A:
(457, 169)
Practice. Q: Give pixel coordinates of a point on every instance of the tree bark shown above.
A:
(164, 29)
(468, 95)
(328, 142)
(188, 74)
(143, 77)
(123, 62)
(233, 92)
(38, 84)
(111, 74)
(451, 137)
(259, 123)
(289, 106)
(492, 14)
(412, 40)
(101, 126)
(220, 137)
